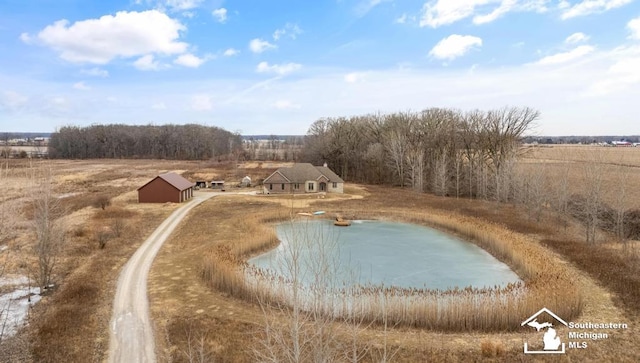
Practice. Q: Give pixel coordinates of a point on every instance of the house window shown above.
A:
(296, 186)
(310, 186)
(270, 186)
(282, 185)
(335, 185)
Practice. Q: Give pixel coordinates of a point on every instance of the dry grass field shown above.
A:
(618, 166)
(188, 311)
(71, 324)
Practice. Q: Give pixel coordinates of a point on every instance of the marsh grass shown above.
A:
(459, 309)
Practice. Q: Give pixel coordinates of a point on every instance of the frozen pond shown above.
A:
(375, 252)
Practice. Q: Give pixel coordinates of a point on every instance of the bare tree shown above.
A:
(49, 230)
(620, 206)
(307, 335)
(591, 204)
(6, 223)
(196, 350)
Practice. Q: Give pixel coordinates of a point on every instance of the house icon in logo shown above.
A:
(550, 339)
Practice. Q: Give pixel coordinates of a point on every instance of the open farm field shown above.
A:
(71, 324)
(616, 169)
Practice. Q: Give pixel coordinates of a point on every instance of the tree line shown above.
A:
(178, 142)
(438, 150)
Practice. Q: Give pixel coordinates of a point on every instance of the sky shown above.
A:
(276, 66)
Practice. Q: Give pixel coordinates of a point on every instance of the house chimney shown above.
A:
(325, 164)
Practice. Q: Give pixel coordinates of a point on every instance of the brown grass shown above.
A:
(488, 309)
(71, 324)
(178, 290)
(491, 349)
(618, 270)
(617, 164)
(230, 322)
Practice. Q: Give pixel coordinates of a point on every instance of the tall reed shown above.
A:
(545, 283)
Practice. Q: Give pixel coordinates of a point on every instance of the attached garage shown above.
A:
(169, 187)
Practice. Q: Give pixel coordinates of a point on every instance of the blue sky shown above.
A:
(274, 67)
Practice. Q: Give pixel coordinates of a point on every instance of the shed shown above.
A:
(217, 184)
(201, 184)
(246, 181)
(168, 187)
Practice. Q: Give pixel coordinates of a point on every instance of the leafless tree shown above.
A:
(48, 228)
(620, 206)
(196, 350)
(194, 142)
(591, 203)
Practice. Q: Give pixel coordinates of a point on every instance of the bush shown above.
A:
(102, 201)
(102, 237)
(118, 226)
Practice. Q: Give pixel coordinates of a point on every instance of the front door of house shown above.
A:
(323, 187)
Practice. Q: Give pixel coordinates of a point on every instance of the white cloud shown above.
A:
(565, 57)
(183, 4)
(622, 74)
(576, 38)
(365, 6)
(455, 46)
(26, 38)
(12, 101)
(258, 45)
(280, 69)
(95, 72)
(189, 60)
(401, 19)
(563, 4)
(230, 52)
(147, 63)
(558, 91)
(587, 7)
(81, 86)
(285, 105)
(504, 8)
(201, 102)
(58, 105)
(442, 12)
(353, 77)
(634, 26)
(436, 13)
(159, 106)
(220, 15)
(127, 34)
(292, 30)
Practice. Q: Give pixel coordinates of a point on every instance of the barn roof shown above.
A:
(302, 172)
(177, 181)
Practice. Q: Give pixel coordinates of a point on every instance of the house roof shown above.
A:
(333, 177)
(177, 181)
(302, 172)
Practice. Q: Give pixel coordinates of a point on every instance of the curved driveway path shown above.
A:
(131, 333)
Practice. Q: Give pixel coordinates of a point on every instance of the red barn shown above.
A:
(169, 187)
